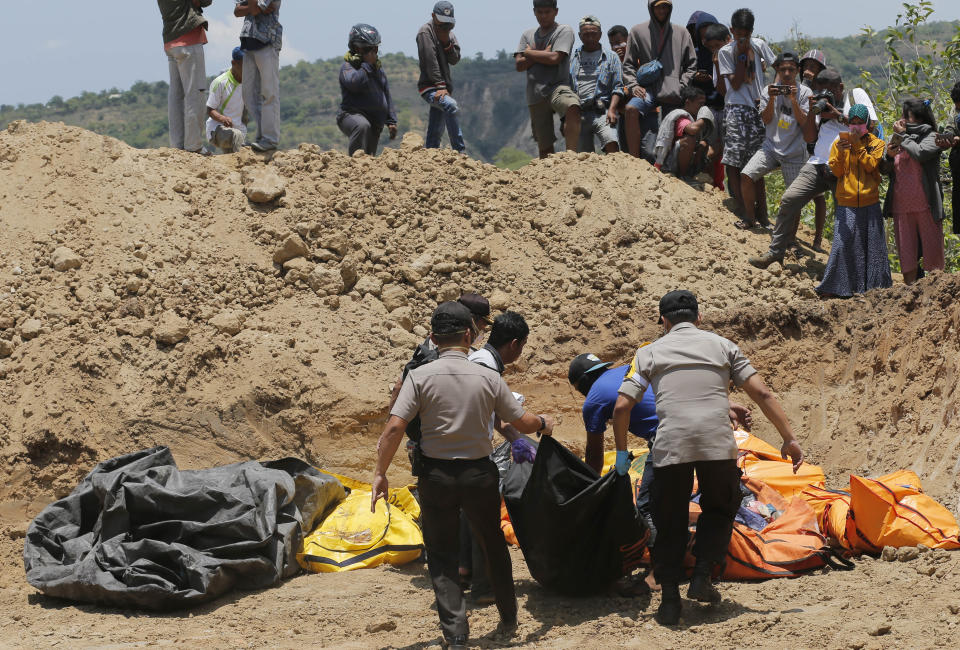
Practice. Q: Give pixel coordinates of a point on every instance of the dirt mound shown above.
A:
(234, 308)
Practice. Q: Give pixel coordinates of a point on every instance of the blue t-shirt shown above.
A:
(598, 407)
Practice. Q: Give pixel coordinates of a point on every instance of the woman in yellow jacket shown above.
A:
(858, 258)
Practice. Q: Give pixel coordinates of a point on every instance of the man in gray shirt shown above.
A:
(455, 399)
(544, 54)
(690, 371)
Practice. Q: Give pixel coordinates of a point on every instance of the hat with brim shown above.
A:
(676, 301)
(451, 318)
(582, 366)
(444, 12)
(478, 306)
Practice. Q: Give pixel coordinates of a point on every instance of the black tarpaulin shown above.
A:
(140, 533)
(579, 532)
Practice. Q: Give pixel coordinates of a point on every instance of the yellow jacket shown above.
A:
(858, 171)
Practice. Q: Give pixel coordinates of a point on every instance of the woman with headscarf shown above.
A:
(915, 197)
(858, 259)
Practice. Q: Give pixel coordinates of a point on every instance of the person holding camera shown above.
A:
(597, 77)
(915, 197)
(815, 176)
(783, 109)
(366, 105)
(858, 257)
(742, 65)
(660, 61)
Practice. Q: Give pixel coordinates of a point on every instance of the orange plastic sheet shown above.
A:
(762, 461)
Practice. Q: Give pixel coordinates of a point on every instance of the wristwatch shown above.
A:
(543, 424)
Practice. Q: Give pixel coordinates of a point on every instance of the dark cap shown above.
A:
(815, 55)
(786, 57)
(552, 4)
(477, 304)
(451, 318)
(238, 54)
(678, 301)
(443, 10)
(583, 365)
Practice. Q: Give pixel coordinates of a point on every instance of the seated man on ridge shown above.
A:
(682, 139)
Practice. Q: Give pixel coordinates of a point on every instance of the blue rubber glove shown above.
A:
(623, 462)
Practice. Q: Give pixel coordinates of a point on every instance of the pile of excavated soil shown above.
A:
(235, 307)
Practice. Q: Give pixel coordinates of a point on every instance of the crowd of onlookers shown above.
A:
(708, 99)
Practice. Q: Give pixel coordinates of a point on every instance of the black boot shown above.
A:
(669, 611)
(701, 585)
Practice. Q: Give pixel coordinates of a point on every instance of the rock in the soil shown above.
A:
(228, 322)
(477, 252)
(403, 317)
(384, 626)
(400, 338)
(263, 185)
(889, 554)
(448, 292)
(7, 321)
(393, 297)
(337, 242)
(881, 630)
(412, 141)
(369, 284)
(30, 329)
(64, 259)
(171, 329)
(908, 554)
(325, 281)
(6, 348)
(291, 247)
(499, 300)
(349, 274)
(134, 327)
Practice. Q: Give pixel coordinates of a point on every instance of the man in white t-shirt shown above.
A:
(815, 176)
(783, 109)
(225, 109)
(742, 64)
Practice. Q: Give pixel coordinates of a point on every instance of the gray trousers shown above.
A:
(261, 93)
(812, 181)
(363, 135)
(186, 98)
(228, 140)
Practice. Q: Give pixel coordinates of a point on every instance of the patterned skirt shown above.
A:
(858, 258)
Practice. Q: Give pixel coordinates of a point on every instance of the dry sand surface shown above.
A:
(237, 308)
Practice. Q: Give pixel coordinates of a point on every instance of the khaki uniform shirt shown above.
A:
(690, 371)
(455, 399)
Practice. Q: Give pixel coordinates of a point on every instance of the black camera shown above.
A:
(821, 100)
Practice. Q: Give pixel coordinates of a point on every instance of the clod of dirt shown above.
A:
(908, 554)
(228, 322)
(263, 185)
(291, 247)
(171, 328)
(64, 259)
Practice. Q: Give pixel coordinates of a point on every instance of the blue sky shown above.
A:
(60, 47)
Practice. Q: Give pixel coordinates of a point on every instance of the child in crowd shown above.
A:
(742, 64)
(858, 259)
(366, 104)
(682, 138)
(714, 38)
(915, 198)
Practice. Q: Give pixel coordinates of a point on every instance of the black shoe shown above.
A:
(261, 147)
(458, 642)
(669, 611)
(702, 589)
(505, 630)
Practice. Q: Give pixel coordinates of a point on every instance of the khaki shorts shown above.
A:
(541, 114)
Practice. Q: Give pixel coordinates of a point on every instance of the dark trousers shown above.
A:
(362, 133)
(643, 498)
(719, 482)
(473, 486)
(471, 559)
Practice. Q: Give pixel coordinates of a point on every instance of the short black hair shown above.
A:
(955, 93)
(552, 4)
(508, 326)
(444, 340)
(716, 32)
(921, 110)
(682, 316)
(691, 92)
(743, 19)
(618, 30)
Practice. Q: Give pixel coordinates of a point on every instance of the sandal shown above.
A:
(742, 224)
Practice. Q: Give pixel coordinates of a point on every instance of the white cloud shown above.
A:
(55, 45)
(224, 35)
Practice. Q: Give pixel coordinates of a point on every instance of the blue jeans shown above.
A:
(648, 111)
(445, 112)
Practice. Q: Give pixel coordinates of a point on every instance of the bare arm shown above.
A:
(767, 114)
(530, 423)
(386, 449)
(544, 57)
(523, 63)
(395, 392)
(621, 420)
(509, 432)
(770, 406)
(594, 452)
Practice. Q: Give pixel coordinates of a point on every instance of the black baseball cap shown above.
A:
(582, 365)
(552, 4)
(443, 10)
(478, 306)
(786, 57)
(678, 301)
(451, 318)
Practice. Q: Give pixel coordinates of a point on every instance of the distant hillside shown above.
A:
(490, 92)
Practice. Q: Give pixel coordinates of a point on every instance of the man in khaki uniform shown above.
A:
(455, 400)
(690, 371)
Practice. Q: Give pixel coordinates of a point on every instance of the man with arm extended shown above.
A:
(690, 371)
(455, 400)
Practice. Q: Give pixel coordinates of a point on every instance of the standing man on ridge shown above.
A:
(544, 54)
(184, 35)
(455, 399)
(261, 38)
(438, 49)
(690, 370)
(655, 40)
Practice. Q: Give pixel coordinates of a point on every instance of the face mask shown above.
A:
(859, 129)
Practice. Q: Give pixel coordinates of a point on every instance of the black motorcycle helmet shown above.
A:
(363, 36)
